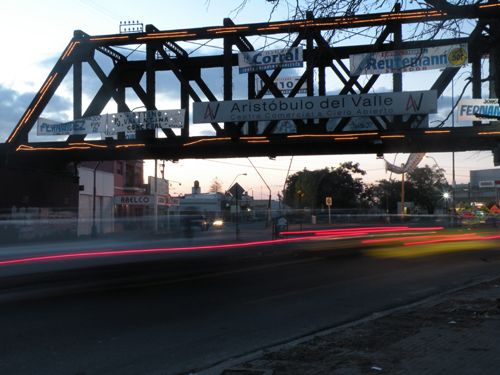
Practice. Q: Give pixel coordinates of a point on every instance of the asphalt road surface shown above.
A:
(170, 314)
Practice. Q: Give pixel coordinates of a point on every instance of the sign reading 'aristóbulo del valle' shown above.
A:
(408, 60)
(384, 104)
(257, 61)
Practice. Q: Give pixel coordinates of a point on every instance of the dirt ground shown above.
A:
(454, 334)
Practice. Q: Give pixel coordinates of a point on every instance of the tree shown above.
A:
(310, 188)
(426, 187)
(215, 186)
(389, 194)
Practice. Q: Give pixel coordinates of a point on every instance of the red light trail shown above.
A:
(309, 235)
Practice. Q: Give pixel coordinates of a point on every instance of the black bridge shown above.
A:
(387, 134)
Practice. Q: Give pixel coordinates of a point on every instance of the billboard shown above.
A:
(468, 108)
(408, 60)
(111, 124)
(309, 107)
(257, 61)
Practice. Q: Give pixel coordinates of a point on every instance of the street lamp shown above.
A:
(238, 175)
(446, 197)
(435, 162)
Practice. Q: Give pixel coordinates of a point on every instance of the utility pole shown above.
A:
(94, 227)
(453, 183)
(268, 220)
(402, 193)
(155, 207)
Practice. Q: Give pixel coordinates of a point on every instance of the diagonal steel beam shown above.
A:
(177, 72)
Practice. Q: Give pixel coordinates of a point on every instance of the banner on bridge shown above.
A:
(257, 61)
(408, 60)
(469, 108)
(309, 107)
(284, 84)
(111, 124)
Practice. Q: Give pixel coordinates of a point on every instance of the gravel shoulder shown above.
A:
(457, 333)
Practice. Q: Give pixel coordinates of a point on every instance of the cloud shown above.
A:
(13, 104)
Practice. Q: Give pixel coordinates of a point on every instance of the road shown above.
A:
(170, 314)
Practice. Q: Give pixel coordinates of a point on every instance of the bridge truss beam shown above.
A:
(230, 139)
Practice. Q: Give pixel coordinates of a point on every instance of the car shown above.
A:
(197, 221)
(218, 223)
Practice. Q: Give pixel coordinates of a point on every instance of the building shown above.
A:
(211, 204)
(120, 200)
(96, 198)
(132, 200)
(483, 187)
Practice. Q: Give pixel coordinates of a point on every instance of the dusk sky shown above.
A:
(34, 34)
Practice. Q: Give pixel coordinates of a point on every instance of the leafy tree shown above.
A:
(309, 188)
(426, 187)
(389, 194)
(369, 197)
(215, 186)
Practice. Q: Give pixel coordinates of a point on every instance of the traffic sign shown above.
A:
(328, 201)
(236, 191)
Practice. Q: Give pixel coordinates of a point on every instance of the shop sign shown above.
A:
(487, 184)
(135, 200)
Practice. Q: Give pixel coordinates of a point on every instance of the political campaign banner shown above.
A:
(111, 124)
(257, 61)
(408, 60)
(478, 110)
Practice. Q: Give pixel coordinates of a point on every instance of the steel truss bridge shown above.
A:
(240, 139)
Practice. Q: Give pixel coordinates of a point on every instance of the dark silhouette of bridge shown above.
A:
(242, 138)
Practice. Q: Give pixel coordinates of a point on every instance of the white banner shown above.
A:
(256, 61)
(384, 104)
(284, 84)
(88, 125)
(409, 60)
(111, 124)
(468, 108)
(410, 165)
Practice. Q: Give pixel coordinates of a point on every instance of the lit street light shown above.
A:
(446, 197)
